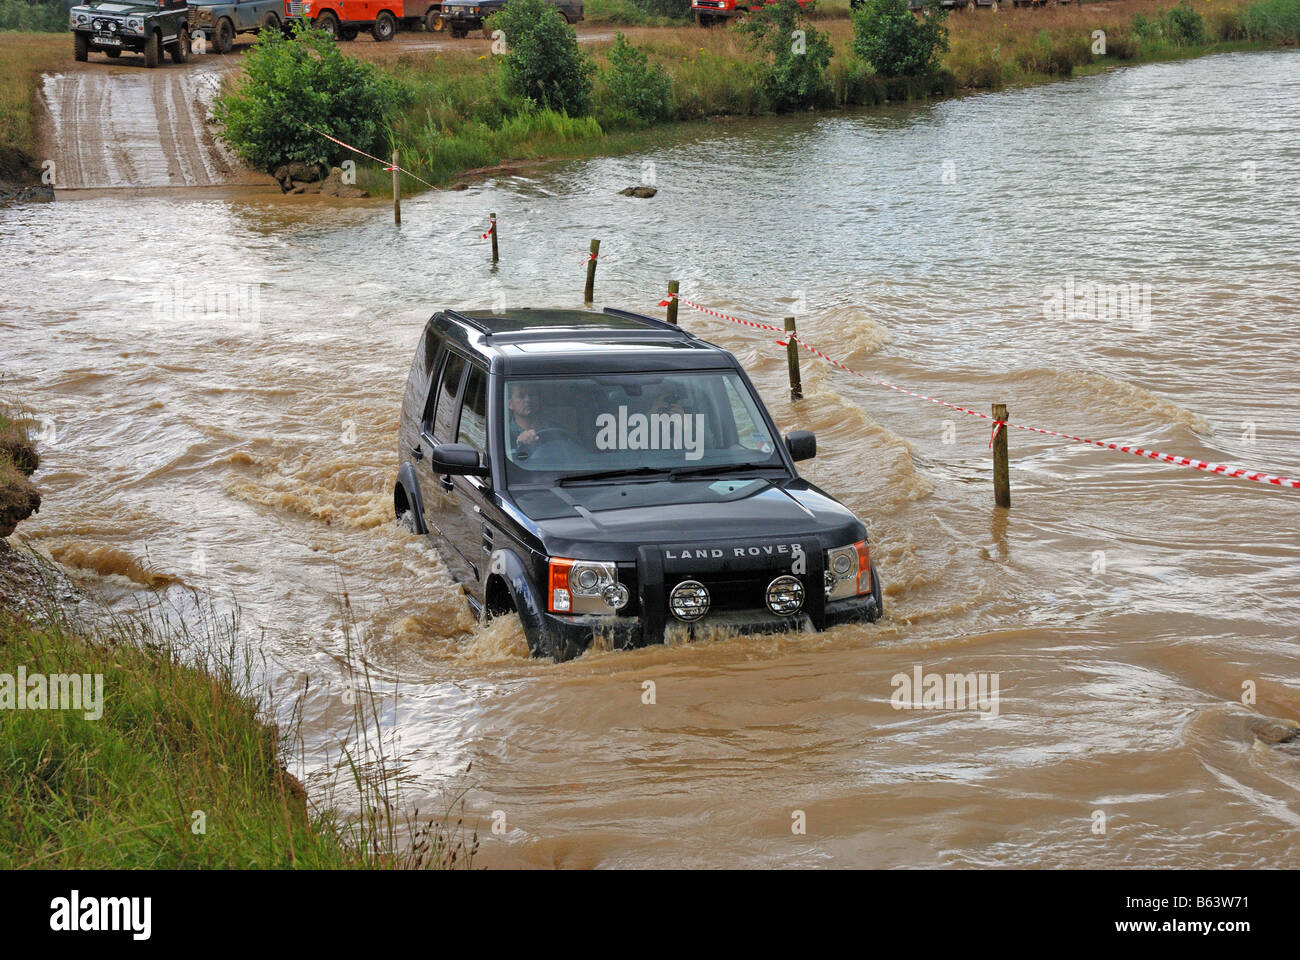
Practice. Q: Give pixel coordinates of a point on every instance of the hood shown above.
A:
(610, 521)
(116, 9)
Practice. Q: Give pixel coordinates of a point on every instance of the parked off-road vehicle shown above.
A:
(610, 474)
(462, 16)
(112, 26)
(220, 20)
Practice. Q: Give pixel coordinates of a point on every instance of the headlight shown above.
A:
(689, 600)
(584, 586)
(112, 26)
(785, 595)
(99, 26)
(848, 571)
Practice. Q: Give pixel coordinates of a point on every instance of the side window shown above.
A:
(473, 411)
(444, 413)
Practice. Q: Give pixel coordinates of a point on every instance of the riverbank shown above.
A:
(460, 117)
(26, 57)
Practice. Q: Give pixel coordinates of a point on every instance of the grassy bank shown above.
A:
(173, 765)
(460, 117)
(25, 57)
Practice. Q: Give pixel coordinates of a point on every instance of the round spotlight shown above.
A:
(841, 565)
(615, 596)
(689, 600)
(785, 595)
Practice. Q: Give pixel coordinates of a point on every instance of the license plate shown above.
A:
(108, 41)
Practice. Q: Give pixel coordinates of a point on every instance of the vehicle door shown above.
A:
(442, 515)
(465, 520)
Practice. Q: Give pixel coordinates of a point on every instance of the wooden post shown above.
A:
(589, 291)
(495, 255)
(672, 302)
(397, 192)
(792, 356)
(1001, 471)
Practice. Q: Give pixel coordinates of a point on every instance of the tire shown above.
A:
(153, 50)
(180, 47)
(271, 21)
(328, 22)
(225, 36)
(113, 54)
(80, 47)
(348, 34)
(433, 21)
(385, 27)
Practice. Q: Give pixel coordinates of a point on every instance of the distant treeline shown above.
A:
(48, 15)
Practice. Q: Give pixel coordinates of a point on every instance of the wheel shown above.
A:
(153, 50)
(225, 36)
(328, 22)
(80, 47)
(385, 27)
(348, 34)
(271, 21)
(433, 20)
(113, 53)
(180, 47)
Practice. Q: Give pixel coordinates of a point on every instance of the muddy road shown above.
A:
(221, 410)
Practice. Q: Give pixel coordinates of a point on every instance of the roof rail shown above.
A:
(470, 321)
(649, 321)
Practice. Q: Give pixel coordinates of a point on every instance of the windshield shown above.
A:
(680, 422)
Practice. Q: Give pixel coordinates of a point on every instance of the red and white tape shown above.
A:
(389, 165)
(1226, 470)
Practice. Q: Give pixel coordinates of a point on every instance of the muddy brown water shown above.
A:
(248, 447)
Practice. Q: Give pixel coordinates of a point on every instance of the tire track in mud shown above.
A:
(124, 127)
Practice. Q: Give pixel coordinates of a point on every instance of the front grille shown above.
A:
(295, 8)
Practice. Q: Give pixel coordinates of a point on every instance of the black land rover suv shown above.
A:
(609, 473)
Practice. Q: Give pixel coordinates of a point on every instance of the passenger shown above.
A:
(670, 398)
(526, 426)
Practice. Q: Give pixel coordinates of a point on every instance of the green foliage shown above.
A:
(634, 93)
(47, 16)
(897, 44)
(291, 85)
(1055, 56)
(543, 62)
(1275, 21)
(795, 54)
(673, 9)
(1183, 25)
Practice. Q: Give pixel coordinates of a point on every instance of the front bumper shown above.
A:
(460, 20)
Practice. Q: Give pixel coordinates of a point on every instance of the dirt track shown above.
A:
(119, 126)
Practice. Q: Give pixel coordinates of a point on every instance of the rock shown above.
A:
(307, 172)
(19, 499)
(1273, 730)
(626, 191)
(642, 192)
(281, 175)
(461, 186)
(299, 188)
(314, 188)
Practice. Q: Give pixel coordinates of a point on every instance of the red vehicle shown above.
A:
(344, 19)
(710, 12)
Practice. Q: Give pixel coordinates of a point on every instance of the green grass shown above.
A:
(181, 734)
(25, 57)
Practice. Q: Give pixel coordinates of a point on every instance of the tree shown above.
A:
(294, 87)
(897, 44)
(796, 54)
(542, 59)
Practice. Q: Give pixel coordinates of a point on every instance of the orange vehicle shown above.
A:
(710, 12)
(344, 19)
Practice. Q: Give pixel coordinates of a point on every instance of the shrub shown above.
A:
(543, 61)
(1056, 58)
(634, 94)
(895, 43)
(35, 15)
(1120, 46)
(1183, 25)
(851, 82)
(291, 85)
(795, 55)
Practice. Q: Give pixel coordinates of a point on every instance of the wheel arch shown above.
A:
(406, 496)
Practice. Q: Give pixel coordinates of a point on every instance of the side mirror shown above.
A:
(802, 444)
(456, 459)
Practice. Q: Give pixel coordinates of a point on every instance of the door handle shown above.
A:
(417, 452)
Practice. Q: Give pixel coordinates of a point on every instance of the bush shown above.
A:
(543, 61)
(291, 85)
(852, 83)
(795, 54)
(635, 94)
(895, 43)
(1183, 25)
(34, 15)
(1055, 58)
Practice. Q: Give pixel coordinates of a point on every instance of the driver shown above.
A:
(526, 423)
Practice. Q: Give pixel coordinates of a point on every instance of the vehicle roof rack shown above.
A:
(478, 325)
(649, 321)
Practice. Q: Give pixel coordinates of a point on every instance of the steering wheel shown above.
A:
(544, 436)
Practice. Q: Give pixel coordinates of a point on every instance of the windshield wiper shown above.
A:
(614, 474)
(722, 468)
